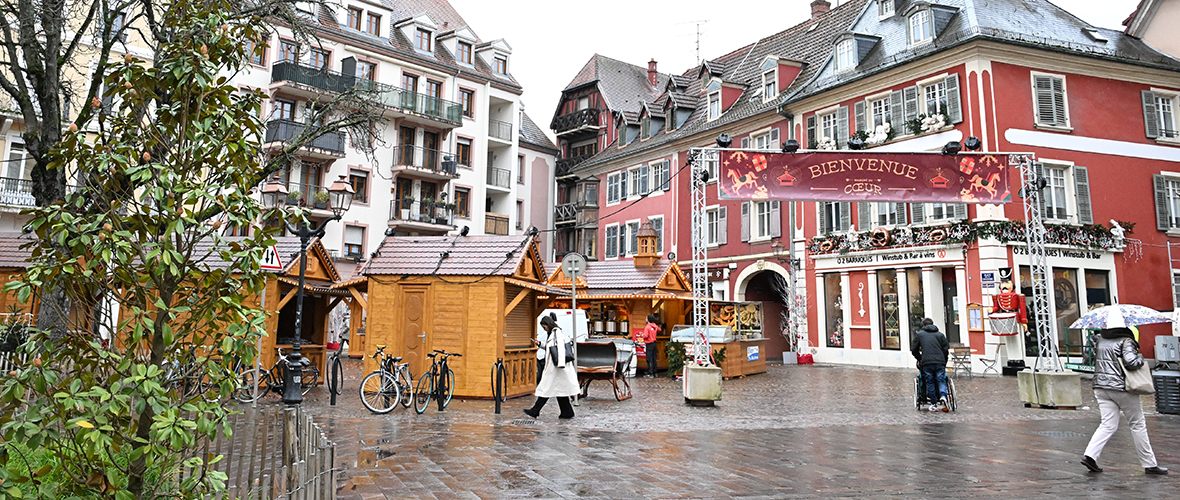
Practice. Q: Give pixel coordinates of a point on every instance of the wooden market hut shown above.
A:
(13, 263)
(473, 295)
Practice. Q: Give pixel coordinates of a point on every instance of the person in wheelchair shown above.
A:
(931, 349)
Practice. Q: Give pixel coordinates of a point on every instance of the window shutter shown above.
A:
(1150, 117)
(954, 108)
(919, 213)
(623, 185)
(864, 214)
(774, 139)
(811, 142)
(842, 126)
(658, 226)
(860, 117)
(745, 142)
(1059, 102)
(900, 209)
(1050, 104)
(722, 227)
(845, 215)
(776, 220)
(666, 177)
(745, 221)
(822, 208)
(1162, 217)
(960, 211)
(896, 111)
(911, 102)
(1081, 181)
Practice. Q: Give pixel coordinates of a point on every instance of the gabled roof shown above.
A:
(517, 256)
(12, 255)
(623, 86)
(622, 276)
(532, 136)
(207, 250)
(440, 11)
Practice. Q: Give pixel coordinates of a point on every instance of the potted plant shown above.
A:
(321, 199)
(424, 214)
(293, 197)
(404, 207)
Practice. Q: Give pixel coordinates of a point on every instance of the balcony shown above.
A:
(424, 163)
(328, 145)
(495, 224)
(566, 213)
(499, 177)
(308, 82)
(565, 165)
(500, 130)
(414, 105)
(577, 123)
(421, 216)
(16, 192)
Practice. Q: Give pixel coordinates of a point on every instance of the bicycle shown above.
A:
(442, 390)
(388, 385)
(271, 381)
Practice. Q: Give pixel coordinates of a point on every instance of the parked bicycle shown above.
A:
(438, 382)
(388, 385)
(272, 380)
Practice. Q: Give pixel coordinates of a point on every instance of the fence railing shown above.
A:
(496, 224)
(434, 160)
(432, 212)
(18, 192)
(499, 177)
(276, 452)
(565, 164)
(500, 129)
(388, 95)
(331, 81)
(288, 130)
(565, 213)
(577, 119)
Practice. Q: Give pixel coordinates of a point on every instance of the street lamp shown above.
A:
(340, 199)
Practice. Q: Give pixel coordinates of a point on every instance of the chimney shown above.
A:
(651, 72)
(819, 7)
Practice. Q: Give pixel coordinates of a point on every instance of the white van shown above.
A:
(565, 321)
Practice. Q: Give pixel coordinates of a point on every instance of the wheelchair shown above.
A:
(920, 398)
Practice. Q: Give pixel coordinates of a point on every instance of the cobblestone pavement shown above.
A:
(795, 432)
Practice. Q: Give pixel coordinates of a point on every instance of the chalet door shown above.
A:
(415, 324)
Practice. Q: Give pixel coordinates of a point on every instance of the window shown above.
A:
(714, 105)
(1165, 107)
(360, 184)
(463, 151)
(1054, 193)
(623, 185)
(921, 27)
(645, 127)
(845, 55)
(354, 241)
(319, 59)
(633, 238)
(710, 160)
(942, 211)
(354, 18)
(769, 140)
(257, 53)
(520, 214)
(886, 214)
(465, 52)
(422, 40)
(639, 180)
(880, 110)
(285, 110)
(761, 228)
(467, 101)
(769, 85)
(612, 189)
(520, 169)
(612, 241)
(934, 98)
(1159, 114)
(713, 227)
(20, 163)
(584, 150)
(463, 202)
(409, 82)
(288, 51)
(885, 8)
(657, 223)
(661, 172)
(366, 70)
(1049, 100)
(828, 127)
(119, 26)
(831, 217)
(590, 195)
(501, 66)
(373, 24)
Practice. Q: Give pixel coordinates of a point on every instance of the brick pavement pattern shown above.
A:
(796, 432)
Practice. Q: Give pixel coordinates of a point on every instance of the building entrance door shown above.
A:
(415, 340)
(950, 310)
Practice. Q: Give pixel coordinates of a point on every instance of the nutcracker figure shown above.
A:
(1008, 319)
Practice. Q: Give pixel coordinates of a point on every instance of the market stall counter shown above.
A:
(737, 357)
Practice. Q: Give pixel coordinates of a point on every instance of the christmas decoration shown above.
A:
(1094, 236)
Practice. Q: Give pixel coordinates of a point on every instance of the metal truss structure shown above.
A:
(1034, 233)
(700, 279)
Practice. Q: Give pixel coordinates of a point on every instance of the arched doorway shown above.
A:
(768, 286)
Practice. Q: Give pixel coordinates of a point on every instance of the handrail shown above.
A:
(283, 130)
(499, 177)
(334, 81)
(430, 212)
(500, 129)
(579, 118)
(435, 160)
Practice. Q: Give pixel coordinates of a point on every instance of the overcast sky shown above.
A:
(552, 39)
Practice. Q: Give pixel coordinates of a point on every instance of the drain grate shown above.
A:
(524, 422)
(1060, 434)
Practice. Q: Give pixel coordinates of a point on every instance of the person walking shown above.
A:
(542, 336)
(649, 344)
(560, 378)
(1118, 349)
(932, 350)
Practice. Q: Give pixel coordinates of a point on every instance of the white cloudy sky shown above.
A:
(552, 39)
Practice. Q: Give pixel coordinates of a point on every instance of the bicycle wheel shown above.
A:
(336, 376)
(310, 377)
(405, 382)
(425, 390)
(449, 389)
(379, 392)
(245, 392)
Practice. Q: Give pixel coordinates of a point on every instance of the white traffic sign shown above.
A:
(270, 260)
(573, 265)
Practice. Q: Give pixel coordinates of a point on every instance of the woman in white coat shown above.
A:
(560, 379)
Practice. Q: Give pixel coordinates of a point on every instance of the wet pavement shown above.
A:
(810, 431)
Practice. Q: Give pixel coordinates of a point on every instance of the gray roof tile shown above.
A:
(466, 255)
(532, 135)
(11, 253)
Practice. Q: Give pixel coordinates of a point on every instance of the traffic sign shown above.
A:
(270, 260)
(573, 265)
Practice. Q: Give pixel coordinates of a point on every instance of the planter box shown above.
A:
(702, 384)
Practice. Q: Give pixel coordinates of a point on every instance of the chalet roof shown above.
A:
(206, 250)
(623, 86)
(619, 276)
(465, 255)
(532, 135)
(11, 253)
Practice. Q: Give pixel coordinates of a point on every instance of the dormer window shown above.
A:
(354, 18)
(500, 66)
(921, 27)
(373, 24)
(714, 105)
(885, 9)
(422, 40)
(645, 126)
(845, 54)
(769, 85)
(464, 52)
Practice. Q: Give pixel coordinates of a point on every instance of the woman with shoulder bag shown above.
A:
(1117, 353)
(560, 378)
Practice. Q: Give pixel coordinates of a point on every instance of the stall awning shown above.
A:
(538, 287)
(361, 284)
(316, 287)
(624, 293)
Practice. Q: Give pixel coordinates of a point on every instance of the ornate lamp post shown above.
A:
(341, 199)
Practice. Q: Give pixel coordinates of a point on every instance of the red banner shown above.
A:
(864, 176)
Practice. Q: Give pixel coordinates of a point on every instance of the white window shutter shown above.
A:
(776, 220)
(745, 221)
(860, 117)
(919, 213)
(774, 139)
(845, 215)
(911, 95)
(864, 215)
(901, 218)
(1162, 217)
(842, 126)
(954, 109)
(960, 211)
(812, 140)
(1150, 115)
(746, 142)
(1081, 182)
(896, 111)
(722, 227)
(822, 208)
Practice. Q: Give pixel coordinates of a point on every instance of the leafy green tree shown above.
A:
(179, 143)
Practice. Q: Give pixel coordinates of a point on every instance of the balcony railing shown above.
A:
(288, 130)
(499, 177)
(430, 212)
(565, 164)
(500, 130)
(16, 192)
(565, 213)
(495, 224)
(420, 103)
(388, 95)
(323, 79)
(436, 161)
(580, 118)
(308, 195)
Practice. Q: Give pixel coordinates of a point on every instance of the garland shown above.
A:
(1093, 236)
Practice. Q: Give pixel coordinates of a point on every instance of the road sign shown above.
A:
(270, 260)
(573, 265)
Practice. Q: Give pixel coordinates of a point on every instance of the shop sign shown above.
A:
(864, 176)
(752, 353)
(713, 274)
(1062, 252)
(888, 257)
(988, 276)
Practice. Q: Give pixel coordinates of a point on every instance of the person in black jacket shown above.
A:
(931, 350)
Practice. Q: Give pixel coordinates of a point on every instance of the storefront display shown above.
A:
(745, 318)
(890, 319)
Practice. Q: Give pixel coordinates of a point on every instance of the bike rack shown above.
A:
(499, 380)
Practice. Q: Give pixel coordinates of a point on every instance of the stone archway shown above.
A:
(753, 284)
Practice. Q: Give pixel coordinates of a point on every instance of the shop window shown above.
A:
(889, 309)
(1067, 303)
(916, 297)
(1097, 289)
(835, 310)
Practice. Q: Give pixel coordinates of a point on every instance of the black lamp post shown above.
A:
(341, 199)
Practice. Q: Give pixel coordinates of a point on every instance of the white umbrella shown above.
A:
(1120, 315)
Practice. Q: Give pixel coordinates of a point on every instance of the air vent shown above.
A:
(1095, 35)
